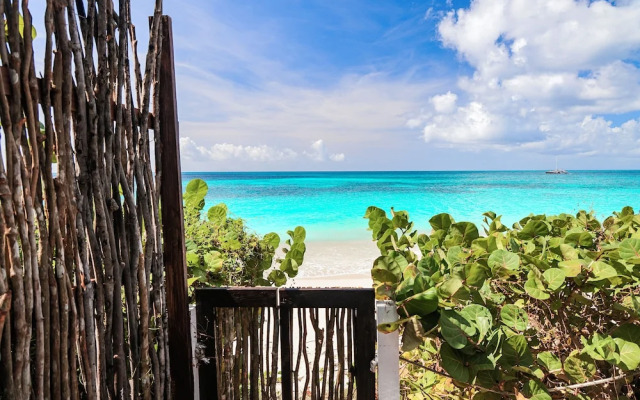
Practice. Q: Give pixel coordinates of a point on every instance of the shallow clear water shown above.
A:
(330, 205)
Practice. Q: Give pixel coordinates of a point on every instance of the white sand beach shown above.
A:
(337, 264)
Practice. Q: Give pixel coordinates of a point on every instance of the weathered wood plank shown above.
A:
(292, 297)
(365, 332)
(205, 322)
(285, 353)
(173, 226)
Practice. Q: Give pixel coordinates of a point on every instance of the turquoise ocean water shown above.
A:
(330, 205)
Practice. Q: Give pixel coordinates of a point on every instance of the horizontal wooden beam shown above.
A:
(290, 297)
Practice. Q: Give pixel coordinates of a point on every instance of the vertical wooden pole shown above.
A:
(286, 348)
(206, 319)
(194, 341)
(180, 356)
(365, 336)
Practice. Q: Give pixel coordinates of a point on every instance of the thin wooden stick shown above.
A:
(305, 354)
(350, 353)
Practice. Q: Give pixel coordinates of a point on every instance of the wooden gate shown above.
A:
(268, 343)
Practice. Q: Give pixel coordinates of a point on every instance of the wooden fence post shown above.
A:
(365, 330)
(180, 355)
(286, 348)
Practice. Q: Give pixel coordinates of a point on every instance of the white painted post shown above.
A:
(194, 342)
(388, 358)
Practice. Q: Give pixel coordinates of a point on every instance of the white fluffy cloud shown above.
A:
(548, 75)
(444, 103)
(219, 152)
(319, 153)
(470, 124)
(225, 151)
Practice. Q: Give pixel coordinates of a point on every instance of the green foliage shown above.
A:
(552, 301)
(222, 252)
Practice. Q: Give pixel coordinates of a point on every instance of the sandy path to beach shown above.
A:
(337, 264)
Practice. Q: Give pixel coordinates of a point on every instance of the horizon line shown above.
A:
(409, 170)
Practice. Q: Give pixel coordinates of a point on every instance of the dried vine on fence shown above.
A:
(82, 303)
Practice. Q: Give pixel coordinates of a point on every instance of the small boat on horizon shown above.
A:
(557, 171)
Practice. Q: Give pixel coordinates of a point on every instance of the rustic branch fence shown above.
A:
(83, 304)
(93, 300)
(269, 343)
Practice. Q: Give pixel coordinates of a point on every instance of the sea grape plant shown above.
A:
(222, 252)
(548, 308)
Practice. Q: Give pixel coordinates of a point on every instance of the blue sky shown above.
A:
(406, 85)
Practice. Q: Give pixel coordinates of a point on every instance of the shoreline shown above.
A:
(337, 263)
(332, 281)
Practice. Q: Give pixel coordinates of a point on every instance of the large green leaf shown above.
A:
(193, 280)
(193, 258)
(554, 277)
(218, 214)
(535, 390)
(480, 316)
(214, 261)
(455, 255)
(272, 239)
(296, 252)
(632, 304)
(441, 221)
(299, 234)
(400, 219)
(374, 213)
(514, 317)
(532, 229)
(550, 362)
(629, 354)
(579, 367)
(190, 245)
(449, 287)
(195, 192)
(535, 288)
(413, 335)
(516, 352)
(527, 258)
(572, 268)
(393, 263)
(421, 303)
(289, 267)
(476, 274)
(467, 230)
(568, 252)
(502, 260)
(630, 250)
(454, 363)
(278, 277)
(456, 329)
(583, 239)
(601, 270)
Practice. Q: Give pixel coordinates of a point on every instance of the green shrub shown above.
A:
(520, 312)
(222, 252)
